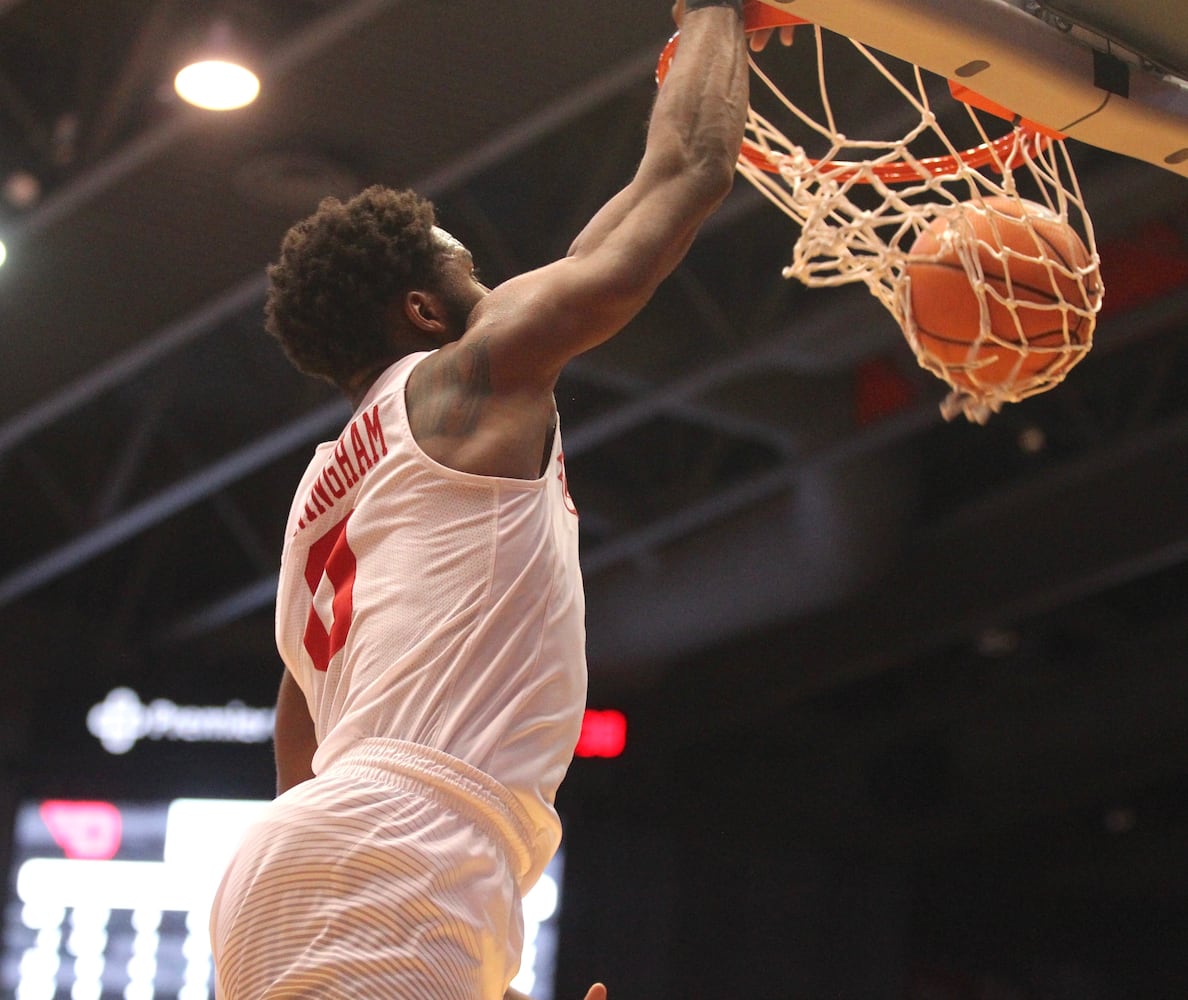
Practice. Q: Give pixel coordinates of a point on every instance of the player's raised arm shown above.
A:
(533, 324)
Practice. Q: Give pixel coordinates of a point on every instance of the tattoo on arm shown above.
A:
(462, 387)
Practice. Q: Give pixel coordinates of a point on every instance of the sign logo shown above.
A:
(88, 830)
(121, 720)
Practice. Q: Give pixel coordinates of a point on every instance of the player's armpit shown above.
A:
(295, 739)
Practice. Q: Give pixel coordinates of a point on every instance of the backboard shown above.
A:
(1111, 73)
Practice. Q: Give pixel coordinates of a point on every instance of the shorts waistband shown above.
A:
(451, 780)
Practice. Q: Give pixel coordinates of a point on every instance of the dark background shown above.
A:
(906, 698)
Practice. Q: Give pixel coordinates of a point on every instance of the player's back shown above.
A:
(436, 607)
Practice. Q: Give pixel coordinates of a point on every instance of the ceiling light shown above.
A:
(1032, 440)
(22, 190)
(3, 253)
(217, 78)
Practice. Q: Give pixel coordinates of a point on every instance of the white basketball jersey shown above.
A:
(437, 607)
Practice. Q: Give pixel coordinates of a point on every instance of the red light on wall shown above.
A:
(604, 734)
(90, 830)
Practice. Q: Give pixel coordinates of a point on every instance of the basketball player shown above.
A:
(430, 609)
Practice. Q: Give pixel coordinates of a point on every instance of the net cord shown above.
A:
(841, 242)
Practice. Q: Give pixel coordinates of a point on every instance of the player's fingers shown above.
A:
(759, 39)
(596, 992)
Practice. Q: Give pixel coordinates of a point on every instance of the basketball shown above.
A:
(1001, 297)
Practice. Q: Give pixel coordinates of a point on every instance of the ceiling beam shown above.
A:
(1113, 516)
(241, 463)
(123, 368)
(200, 486)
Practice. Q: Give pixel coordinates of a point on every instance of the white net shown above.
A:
(902, 215)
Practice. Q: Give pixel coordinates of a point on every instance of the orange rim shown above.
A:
(1008, 150)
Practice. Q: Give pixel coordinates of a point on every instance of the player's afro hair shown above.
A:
(338, 272)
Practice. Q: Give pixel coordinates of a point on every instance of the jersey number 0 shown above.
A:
(330, 559)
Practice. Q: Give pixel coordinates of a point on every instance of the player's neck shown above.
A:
(358, 388)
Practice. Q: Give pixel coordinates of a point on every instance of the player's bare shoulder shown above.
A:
(460, 419)
(448, 389)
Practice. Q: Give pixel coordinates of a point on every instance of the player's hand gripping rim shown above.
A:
(757, 40)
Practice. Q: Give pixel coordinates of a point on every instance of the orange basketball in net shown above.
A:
(1000, 299)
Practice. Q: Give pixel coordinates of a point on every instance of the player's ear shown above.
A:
(423, 310)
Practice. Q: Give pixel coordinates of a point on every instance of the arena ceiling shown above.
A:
(791, 559)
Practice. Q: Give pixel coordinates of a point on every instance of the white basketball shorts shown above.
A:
(393, 875)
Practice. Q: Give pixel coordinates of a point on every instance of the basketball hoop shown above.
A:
(863, 207)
